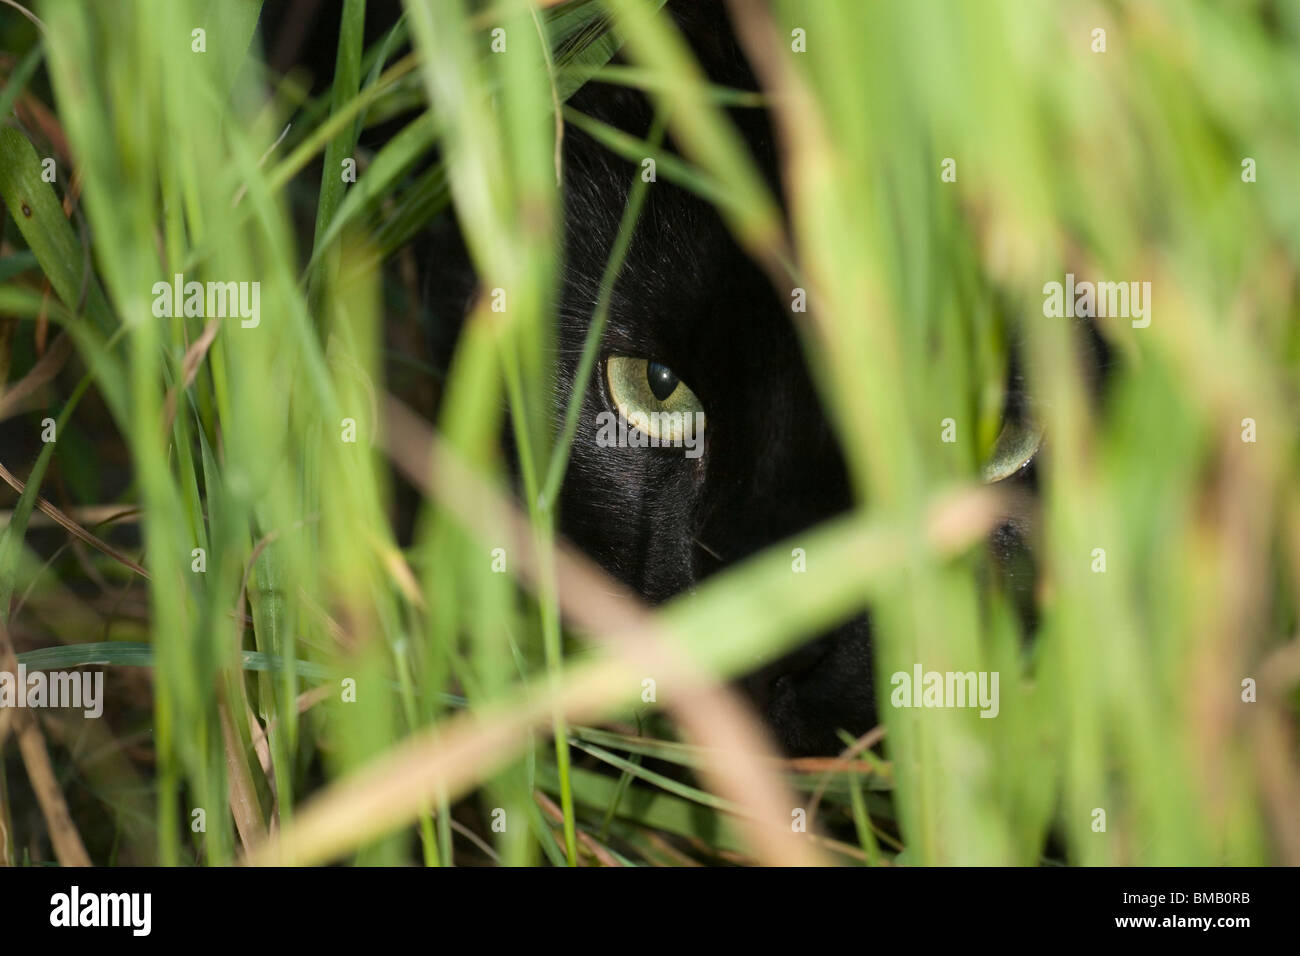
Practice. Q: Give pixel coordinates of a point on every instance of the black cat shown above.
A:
(693, 326)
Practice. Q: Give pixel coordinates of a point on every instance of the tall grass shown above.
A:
(323, 691)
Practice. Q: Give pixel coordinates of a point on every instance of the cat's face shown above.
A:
(695, 327)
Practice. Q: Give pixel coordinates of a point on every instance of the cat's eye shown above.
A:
(1016, 445)
(650, 396)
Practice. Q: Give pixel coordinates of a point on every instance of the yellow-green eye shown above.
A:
(1015, 447)
(650, 396)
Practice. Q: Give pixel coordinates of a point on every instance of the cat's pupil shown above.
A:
(662, 379)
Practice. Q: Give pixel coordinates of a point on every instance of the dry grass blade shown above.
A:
(25, 12)
(45, 369)
(86, 515)
(863, 743)
(393, 789)
(586, 839)
(72, 527)
(189, 368)
(244, 805)
(68, 846)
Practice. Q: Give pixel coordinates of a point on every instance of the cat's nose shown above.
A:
(814, 695)
(762, 685)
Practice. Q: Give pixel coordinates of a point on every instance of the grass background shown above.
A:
(477, 701)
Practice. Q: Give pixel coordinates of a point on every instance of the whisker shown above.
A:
(707, 549)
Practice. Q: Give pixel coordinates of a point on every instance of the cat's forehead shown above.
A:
(685, 294)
